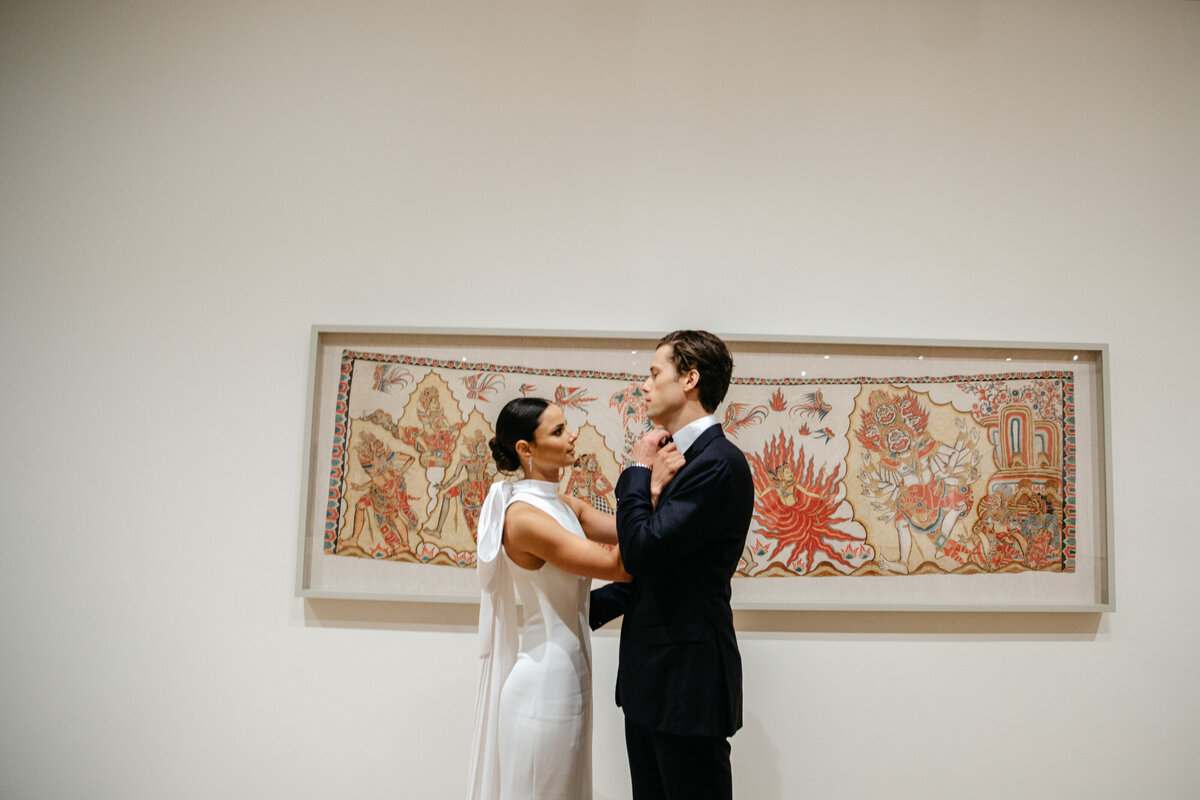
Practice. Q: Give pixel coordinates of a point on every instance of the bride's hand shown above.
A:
(667, 461)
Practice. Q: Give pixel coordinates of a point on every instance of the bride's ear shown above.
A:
(523, 448)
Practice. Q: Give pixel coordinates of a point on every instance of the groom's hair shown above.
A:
(708, 355)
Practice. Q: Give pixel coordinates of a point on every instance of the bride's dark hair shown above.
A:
(518, 420)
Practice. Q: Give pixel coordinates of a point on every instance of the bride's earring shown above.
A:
(530, 463)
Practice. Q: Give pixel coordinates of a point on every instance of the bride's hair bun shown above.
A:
(505, 457)
(518, 420)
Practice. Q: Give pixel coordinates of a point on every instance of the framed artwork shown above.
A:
(889, 474)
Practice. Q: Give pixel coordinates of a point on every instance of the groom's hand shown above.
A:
(645, 451)
(667, 462)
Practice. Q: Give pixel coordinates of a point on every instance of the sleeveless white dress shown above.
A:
(533, 737)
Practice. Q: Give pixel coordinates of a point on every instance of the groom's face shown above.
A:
(664, 389)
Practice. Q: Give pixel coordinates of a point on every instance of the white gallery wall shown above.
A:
(186, 187)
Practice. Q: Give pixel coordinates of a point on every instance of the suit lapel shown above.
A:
(702, 441)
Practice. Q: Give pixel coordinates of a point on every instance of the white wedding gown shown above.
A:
(541, 740)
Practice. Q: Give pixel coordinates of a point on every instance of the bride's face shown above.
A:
(553, 442)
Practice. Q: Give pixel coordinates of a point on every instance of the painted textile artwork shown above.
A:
(879, 475)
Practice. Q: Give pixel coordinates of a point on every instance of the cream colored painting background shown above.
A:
(187, 187)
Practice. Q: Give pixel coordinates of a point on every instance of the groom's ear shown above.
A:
(691, 379)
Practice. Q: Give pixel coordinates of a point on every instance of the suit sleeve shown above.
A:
(608, 603)
(651, 539)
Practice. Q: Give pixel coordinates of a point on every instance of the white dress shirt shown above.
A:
(686, 436)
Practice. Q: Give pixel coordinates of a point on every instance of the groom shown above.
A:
(679, 679)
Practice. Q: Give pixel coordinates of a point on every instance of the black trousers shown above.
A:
(668, 767)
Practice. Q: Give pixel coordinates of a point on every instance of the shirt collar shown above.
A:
(686, 436)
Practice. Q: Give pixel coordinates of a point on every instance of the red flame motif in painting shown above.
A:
(795, 506)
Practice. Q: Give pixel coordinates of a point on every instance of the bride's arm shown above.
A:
(532, 538)
(598, 526)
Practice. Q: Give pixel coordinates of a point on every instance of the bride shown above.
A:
(533, 715)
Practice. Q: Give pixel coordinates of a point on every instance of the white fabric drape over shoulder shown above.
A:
(498, 642)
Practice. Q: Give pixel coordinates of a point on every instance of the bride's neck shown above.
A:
(538, 474)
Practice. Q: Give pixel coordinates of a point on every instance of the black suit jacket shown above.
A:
(680, 671)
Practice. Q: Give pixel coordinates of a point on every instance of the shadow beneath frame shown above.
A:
(1032, 625)
(750, 624)
(407, 616)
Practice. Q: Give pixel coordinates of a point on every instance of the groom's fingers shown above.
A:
(648, 446)
(656, 437)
